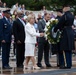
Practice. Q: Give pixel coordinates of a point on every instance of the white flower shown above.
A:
(45, 35)
(47, 24)
(52, 19)
(45, 29)
(56, 20)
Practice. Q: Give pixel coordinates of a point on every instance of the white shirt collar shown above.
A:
(6, 18)
(22, 21)
(44, 20)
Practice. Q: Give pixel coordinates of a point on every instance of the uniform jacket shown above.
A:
(5, 30)
(67, 36)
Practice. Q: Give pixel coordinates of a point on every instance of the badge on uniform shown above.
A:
(5, 25)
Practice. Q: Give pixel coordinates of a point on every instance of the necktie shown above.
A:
(8, 21)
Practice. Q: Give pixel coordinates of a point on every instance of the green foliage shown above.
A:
(37, 4)
(50, 37)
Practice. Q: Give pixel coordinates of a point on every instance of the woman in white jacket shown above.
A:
(30, 42)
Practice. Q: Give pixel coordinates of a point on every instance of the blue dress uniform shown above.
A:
(67, 38)
(5, 34)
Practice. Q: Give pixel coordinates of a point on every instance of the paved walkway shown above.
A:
(51, 71)
(55, 72)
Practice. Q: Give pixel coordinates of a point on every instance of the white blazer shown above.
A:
(30, 34)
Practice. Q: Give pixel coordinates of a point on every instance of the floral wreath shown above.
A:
(52, 37)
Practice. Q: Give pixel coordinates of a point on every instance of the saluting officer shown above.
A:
(67, 37)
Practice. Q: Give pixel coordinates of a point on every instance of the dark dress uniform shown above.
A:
(59, 53)
(67, 38)
(0, 47)
(5, 34)
(55, 48)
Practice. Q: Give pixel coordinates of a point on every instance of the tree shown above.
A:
(38, 4)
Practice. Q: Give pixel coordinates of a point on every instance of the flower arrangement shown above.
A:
(52, 37)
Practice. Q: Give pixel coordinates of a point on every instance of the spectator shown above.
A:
(1, 4)
(23, 9)
(44, 10)
(0, 41)
(39, 17)
(19, 8)
(52, 14)
(1, 16)
(27, 13)
(4, 5)
(15, 7)
(75, 21)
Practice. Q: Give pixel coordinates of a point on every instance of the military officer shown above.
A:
(5, 38)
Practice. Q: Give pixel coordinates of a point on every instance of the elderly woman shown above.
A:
(30, 42)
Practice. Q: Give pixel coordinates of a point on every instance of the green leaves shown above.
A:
(50, 36)
(37, 4)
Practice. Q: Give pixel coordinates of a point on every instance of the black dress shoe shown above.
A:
(58, 65)
(42, 67)
(7, 67)
(39, 65)
(20, 66)
(62, 67)
(48, 65)
(67, 67)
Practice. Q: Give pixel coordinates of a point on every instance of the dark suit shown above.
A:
(5, 34)
(43, 45)
(67, 36)
(19, 34)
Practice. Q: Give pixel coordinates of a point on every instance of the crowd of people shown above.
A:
(27, 30)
